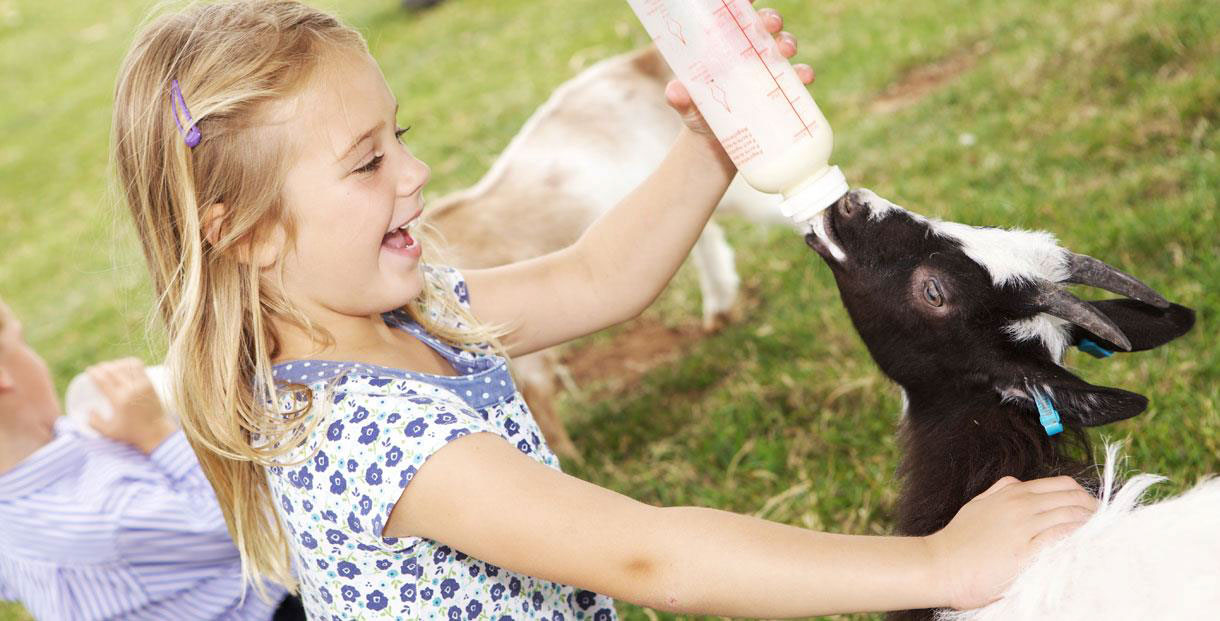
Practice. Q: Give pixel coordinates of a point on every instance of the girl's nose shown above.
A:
(413, 176)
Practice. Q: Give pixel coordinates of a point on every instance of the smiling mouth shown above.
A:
(822, 238)
(400, 239)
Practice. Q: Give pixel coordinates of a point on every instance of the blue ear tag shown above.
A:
(1047, 415)
(1093, 349)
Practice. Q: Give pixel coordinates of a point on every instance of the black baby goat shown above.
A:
(973, 324)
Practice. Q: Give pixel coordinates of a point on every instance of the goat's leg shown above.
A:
(718, 279)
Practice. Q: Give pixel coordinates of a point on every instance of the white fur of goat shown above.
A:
(1128, 562)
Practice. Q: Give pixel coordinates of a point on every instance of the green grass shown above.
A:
(1093, 119)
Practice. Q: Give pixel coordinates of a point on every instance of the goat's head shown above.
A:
(953, 310)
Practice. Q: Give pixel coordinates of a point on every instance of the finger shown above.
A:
(98, 422)
(786, 43)
(127, 370)
(1058, 516)
(1071, 497)
(1054, 533)
(677, 96)
(132, 366)
(1052, 484)
(103, 377)
(805, 73)
(771, 20)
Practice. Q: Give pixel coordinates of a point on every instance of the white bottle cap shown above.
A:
(815, 196)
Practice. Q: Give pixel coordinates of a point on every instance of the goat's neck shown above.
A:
(956, 445)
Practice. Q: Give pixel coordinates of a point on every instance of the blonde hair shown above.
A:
(231, 60)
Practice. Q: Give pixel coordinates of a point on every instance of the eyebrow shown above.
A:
(365, 136)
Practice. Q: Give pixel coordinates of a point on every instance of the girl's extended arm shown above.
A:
(483, 497)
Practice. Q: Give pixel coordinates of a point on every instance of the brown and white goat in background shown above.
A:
(594, 140)
(973, 324)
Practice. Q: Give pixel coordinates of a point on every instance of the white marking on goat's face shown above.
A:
(1053, 332)
(817, 227)
(879, 208)
(1009, 255)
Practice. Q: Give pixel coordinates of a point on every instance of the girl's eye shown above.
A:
(400, 131)
(932, 294)
(372, 166)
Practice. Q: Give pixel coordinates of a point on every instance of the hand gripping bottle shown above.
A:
(751, 98)
(84, 397)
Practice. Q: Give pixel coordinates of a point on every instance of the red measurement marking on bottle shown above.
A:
(758, 54)
(675, 28)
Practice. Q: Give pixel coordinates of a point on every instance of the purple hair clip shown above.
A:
(191, 133)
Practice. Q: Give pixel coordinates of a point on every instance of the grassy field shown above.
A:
(1093, 119)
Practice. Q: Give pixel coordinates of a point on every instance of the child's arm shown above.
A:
(620, 265)
(485, 498)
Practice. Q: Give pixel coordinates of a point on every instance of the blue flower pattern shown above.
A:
(383, 425)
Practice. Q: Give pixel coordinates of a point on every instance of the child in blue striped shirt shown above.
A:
(118, 527)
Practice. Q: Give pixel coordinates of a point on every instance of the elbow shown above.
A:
(653, 583)
(657, 575)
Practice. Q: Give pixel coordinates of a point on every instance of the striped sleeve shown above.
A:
(177, 461)
(173, 539)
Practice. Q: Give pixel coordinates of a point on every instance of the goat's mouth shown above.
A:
(823, 239)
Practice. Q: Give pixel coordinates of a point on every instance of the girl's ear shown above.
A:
(262, 251)
(213, 222)
(265, 249)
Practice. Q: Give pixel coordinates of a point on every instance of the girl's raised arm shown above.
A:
(618, 267)
(482, 496)
(625, 259)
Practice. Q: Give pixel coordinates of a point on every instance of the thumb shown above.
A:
(677, 95)
(98, 422)
(678, 98)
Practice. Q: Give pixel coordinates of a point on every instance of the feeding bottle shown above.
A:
(751, 98)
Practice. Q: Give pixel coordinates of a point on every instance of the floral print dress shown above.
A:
(380, 426)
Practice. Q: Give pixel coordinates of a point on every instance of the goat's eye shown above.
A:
(932, 293)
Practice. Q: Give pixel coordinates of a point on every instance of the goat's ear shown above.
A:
(1145, 325)
(1075, 399)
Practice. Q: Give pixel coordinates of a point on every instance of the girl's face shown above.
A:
(351, 192)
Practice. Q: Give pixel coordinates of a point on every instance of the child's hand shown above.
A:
(679, 98)
(139, 418)
(984, 547)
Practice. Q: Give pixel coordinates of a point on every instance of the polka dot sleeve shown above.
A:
(375, 445)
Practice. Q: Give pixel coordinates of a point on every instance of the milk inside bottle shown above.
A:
(751, 98)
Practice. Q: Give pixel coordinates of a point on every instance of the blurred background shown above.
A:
(1093, 119)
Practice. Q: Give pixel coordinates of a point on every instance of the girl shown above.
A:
(352, 405)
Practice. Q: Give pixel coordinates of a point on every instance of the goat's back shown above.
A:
(1157, 561)
(593, 141)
